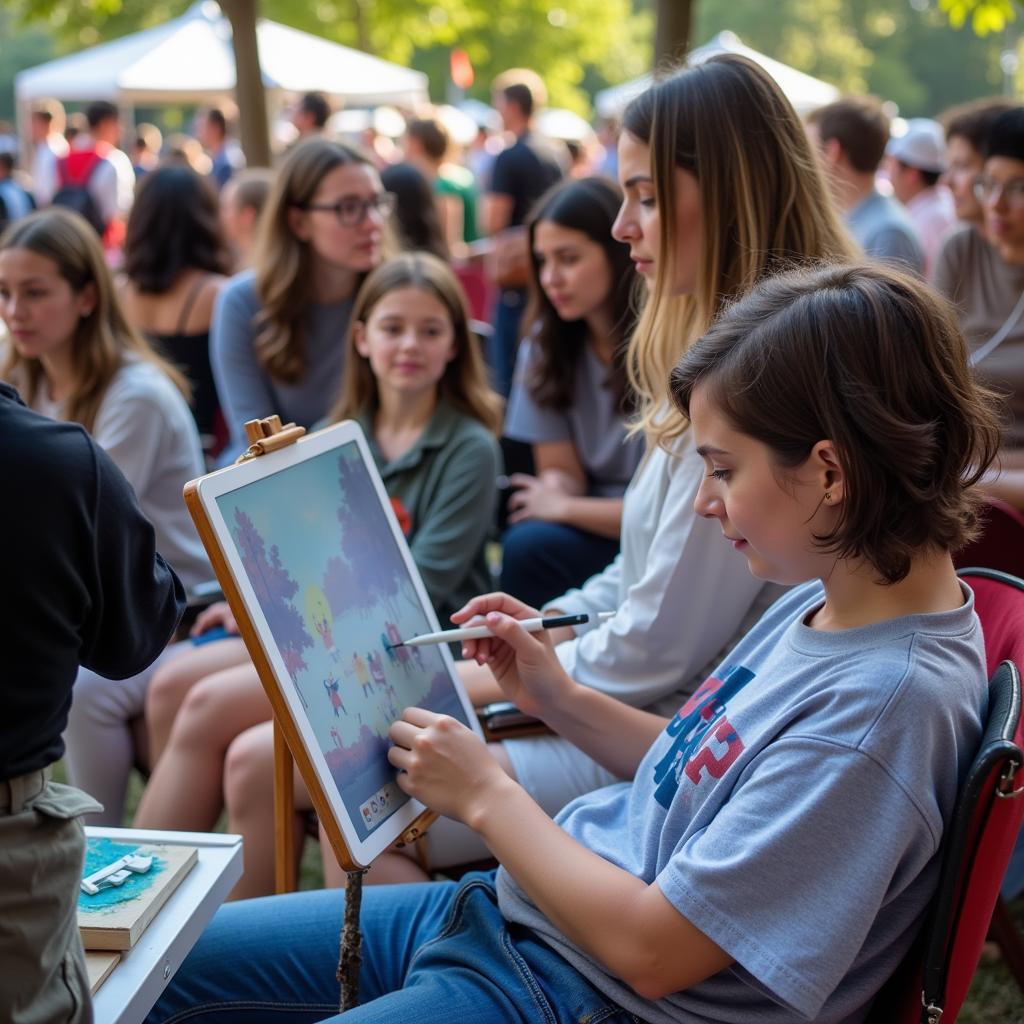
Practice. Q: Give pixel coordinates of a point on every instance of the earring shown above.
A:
(828, 497)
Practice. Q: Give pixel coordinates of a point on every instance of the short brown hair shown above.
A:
(431, 135)
(251, 188)
(873, 360)
(523, 87)
(51, 111)
(972, 121)
(860, 126)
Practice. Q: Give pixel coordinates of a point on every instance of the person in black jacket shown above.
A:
(84, 586)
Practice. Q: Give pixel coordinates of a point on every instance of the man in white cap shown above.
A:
(915, 160)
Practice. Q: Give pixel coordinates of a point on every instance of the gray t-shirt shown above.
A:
(246, 391)
(985, 289)
(591, 422)
(884, 230)
(792, 811)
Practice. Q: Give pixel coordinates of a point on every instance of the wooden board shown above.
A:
(98, 966)
(115, 918)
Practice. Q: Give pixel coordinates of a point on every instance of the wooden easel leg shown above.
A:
(285, 867)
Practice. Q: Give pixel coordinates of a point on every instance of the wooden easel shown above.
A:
(264, 436)
(268, 435)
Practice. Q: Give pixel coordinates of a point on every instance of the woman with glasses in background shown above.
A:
(278, 329)
(983, 275)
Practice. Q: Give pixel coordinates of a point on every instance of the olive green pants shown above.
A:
(42, 849)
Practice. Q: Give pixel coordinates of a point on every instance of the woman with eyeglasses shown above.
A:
(983, 275)
(278, 329)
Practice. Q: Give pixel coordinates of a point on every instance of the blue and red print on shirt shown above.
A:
(704, 738)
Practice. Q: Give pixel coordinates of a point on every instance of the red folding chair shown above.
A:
(933, 980)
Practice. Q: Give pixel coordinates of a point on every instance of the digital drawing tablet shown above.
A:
(321, 581)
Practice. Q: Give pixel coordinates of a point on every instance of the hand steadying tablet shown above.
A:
(444, 765)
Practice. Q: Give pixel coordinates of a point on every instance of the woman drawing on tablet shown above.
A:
(416, 383)
(707, 887)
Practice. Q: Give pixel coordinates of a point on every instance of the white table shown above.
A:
(135, 984)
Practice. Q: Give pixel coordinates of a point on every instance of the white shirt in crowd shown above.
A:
(933, 216)
(44, 167)
(111, 184)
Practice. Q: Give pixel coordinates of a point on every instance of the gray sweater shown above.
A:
(246, 391)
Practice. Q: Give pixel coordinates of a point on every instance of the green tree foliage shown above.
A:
(19, 49)
(564, 38)
(986, 16)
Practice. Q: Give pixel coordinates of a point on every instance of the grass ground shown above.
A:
(994, 997)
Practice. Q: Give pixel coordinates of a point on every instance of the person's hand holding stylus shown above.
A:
(523, 664)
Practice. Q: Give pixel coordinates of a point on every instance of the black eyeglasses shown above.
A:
(353, 210)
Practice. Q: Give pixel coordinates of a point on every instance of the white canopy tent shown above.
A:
(805, 92)
(190, 60)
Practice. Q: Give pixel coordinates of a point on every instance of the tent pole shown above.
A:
(23, 126)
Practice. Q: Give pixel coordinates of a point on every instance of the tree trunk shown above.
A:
(672, 32)
(362, 32)
(249, 92)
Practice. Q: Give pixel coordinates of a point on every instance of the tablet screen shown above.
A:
(334, 587)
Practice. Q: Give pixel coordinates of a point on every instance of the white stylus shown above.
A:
(449, 636)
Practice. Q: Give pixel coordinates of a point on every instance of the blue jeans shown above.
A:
(502, 344)
(541, 560)
(438, 951)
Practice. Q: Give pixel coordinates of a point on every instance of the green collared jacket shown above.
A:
(444, 493)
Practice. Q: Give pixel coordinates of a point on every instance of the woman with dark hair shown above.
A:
(416, 213)
(570, 396)
(175, 260)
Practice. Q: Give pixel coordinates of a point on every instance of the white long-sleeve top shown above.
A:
(680, 593)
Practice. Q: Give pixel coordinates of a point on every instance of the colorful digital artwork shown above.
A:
(331, 581)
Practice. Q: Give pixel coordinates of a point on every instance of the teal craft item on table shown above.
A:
(114, 915)
(101, 852)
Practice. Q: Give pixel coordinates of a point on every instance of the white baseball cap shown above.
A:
(922, 145)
